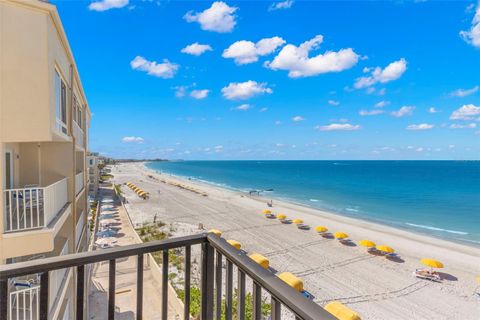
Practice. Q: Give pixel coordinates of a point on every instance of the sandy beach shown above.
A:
(373, 286)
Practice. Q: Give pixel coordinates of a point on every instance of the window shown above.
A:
(60, 103)
(77, 112)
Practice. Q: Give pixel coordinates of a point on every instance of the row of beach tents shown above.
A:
(142, 194)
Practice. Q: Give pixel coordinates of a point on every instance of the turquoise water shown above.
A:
(439, 198)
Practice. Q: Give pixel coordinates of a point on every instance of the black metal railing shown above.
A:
(213, 303)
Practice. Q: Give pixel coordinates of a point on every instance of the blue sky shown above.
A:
(279, 80)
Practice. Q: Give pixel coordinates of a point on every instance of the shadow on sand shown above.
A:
(447, 276)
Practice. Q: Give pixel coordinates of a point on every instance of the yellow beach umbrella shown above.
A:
(281, 216)
(266, 211)
(235, 244)
(298, 221)
(341, 311)
(340, 235)
(216, 232)
(385, 249)
(367, 243)
(321, 229)
(261, 260)
(431, 263)
(292, 281)
(478, 279)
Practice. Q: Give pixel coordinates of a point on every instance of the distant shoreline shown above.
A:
(372, 285)
(413, 229)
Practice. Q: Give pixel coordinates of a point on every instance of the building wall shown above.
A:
(33, 46)
(24, 69)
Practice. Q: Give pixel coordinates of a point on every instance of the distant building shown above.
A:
(44, 121)
(93, 175)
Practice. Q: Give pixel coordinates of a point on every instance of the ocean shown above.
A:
(436, 198)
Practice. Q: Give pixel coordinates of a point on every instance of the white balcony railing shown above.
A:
(79, 183)
(24, 304)
(78, 134)
(34, 207)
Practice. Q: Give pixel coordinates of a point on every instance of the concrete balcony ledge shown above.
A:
(33, 241)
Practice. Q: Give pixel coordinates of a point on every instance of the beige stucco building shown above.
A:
(93, 175)
(44, 121)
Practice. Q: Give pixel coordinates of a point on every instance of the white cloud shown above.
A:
(472, 36)
(298, 64)
(432, 110)
(422, 126)
(196, 49)
(263, 110)
(277, 123)
(403, 111)
(180, 91)
(464, 92)
(104, 5)
(218, 148)
(338, 127)
(133, 139)
(466, 112)
(199, 94)
(218, 18)
(420, 149)
(245, 90)
(382, 104)
(378, 75)
(298, 119)
(165, 70)
(286, 4)
(244, 51)
(463, 126)
(243, 107)
(333, 103)
(370, 112)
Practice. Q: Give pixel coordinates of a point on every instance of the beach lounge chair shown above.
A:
(345, 241)
(372, 250)
(427, 275)
(303, 226)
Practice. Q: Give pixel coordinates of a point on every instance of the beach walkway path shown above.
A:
(125, 299)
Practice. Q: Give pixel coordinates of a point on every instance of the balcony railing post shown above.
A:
(207, 281)
(276, 309)
(140, 287)
(229, 291)
(44, 304)
(111, 289)
(257, 301)
(80, 292)
(186, 301)
(4, 298)
(165, 285)
(218, 287)
(241, 295)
